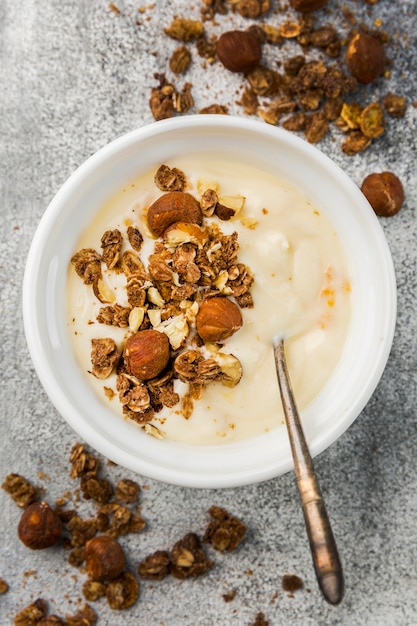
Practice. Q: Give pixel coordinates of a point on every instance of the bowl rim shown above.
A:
(35, 326)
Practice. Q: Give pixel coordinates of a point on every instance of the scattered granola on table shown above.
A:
(225, 532)
(301, 40)
(94, 548)
(20, 490)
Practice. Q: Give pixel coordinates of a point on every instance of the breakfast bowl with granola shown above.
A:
(160, 274)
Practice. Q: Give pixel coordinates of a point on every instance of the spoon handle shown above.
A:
(322, 543)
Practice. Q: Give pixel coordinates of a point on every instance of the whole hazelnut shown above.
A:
(174, 206)
(306, 6)
(384, 193)
(146, 353)
(39, 527)
(104, 558)
(365, 58)
(217, 319)
(239, 50)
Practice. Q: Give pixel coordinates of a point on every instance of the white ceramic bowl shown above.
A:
(45, 316)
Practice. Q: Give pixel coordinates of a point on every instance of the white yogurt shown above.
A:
(301, 290)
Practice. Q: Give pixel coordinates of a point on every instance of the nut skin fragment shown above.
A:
(384, 192)
(365, 58)
(39, 527)
(104, 557)
(174, 206)
(218, 319)
(146, 354)
(239, 51)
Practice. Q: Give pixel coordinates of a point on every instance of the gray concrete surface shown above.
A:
(73, 76)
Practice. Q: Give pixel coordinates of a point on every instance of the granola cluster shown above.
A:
(116, 514)
(191, 263)
(187, 558)
(37, 612)
(314, 86)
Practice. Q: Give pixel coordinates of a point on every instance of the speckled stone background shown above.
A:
(73, 76)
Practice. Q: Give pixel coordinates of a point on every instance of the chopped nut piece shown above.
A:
(188, 558)
(4, 587)
(20, 490)
(103, 292)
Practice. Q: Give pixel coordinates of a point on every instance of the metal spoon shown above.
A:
(322, 543)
